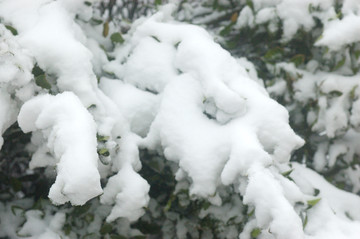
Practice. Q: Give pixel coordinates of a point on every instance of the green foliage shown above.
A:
(102, 139)
(40, 77)
(298, 59)
(255, 232)
(104, 152)
(117, 38)
(313, 202)
(339, 64)
(106, 228)
(12, 29)
(274, 54)
(42, 82)
(287, 173)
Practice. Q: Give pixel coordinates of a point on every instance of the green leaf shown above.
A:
(42, 82)
(92, 106)
(102, 138)
(155, 38)
(298, 59)
(287, 173)
(12, 30)
(226, 30)
(352, 93)
(347, 214)
(313, 202)
(37, 71)
(319, 38)
(169, 202)
(274, 54)
(89, 217)
(104, 152)
(312, 8)
(177, 44)
(158, 2)
(79, 210)
(87, 3)
(156, 166)
(106, 228)
(231, 44)
(206, 205)
(117, 38)
(95, 22)
(250, 4)
(39, 204)
(339, 64)
(16, 210)
(255, 232)
(355, 69)
(67, 229)
(251, 213)
(335, 93)
(357, 54)
(16, 184)
(305, 222)
(316, 192)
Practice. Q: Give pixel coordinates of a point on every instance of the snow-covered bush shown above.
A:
(152, 128)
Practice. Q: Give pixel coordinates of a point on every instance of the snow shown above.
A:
(70, 134)
(58, 50)
(178, 93)
(246, 18)
(182, 129)
(274, 213)
(265, 15)
(340, 32)
(48, 32)
(138, 107)
(15, 74)
(328, 218)
(125, 185)
(334, 102)
(36, 226)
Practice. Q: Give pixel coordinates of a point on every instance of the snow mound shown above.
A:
(69, 135)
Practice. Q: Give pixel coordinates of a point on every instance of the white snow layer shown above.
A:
(70, 132)
(15, 74)
(177, 92)
(341, 32)
(207, 114)
(300, 14)
(48, 32)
